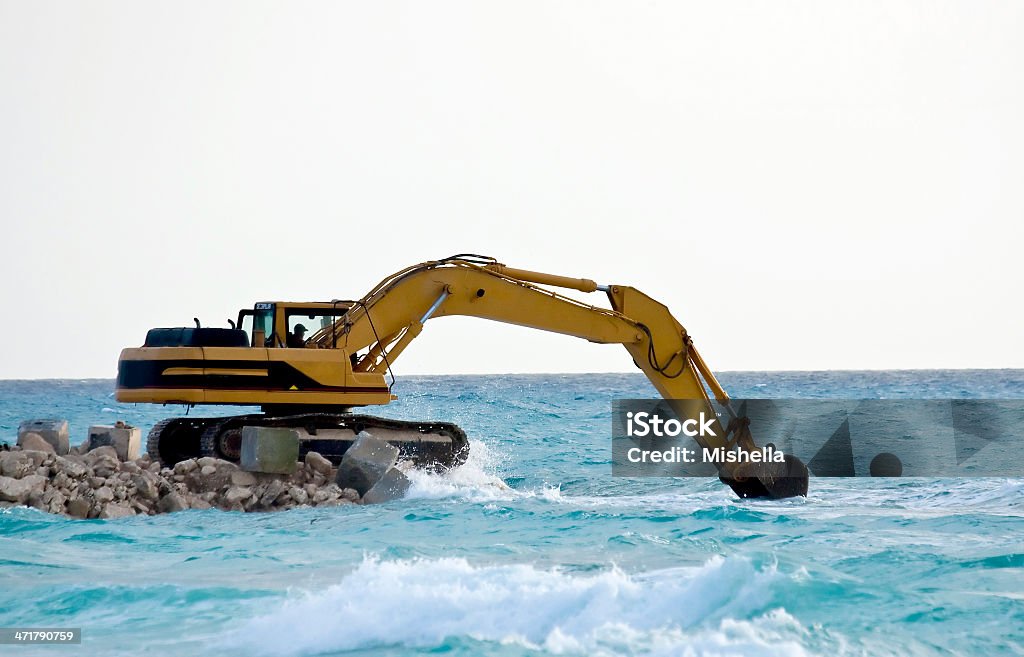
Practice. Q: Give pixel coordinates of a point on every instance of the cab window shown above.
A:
(263, 320)
(304, 324)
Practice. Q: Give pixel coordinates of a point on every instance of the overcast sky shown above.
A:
(807, 185)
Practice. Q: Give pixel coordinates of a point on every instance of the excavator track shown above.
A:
(436, 446)
(176, 439)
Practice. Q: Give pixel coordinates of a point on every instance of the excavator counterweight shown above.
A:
(307, 365)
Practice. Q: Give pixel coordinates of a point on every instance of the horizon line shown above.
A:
(717, 372)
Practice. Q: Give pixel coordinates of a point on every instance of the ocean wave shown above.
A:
(474, 480)
(724, 607)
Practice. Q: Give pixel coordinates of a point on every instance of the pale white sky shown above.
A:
(807, 185)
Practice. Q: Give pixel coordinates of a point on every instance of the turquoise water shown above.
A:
(532, 548)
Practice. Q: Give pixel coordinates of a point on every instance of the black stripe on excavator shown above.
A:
(139, 374)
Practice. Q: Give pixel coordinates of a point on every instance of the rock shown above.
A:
(130, 467)
(36, 500)
(237, 495)
(103, 461)
(391, 486)
(171, 502)
(39, 458)
(365, 462)
(269, 449)
(274, 490)
(34, 441)
(96, 482)
(115, 510)
(104, 451)
(62, 481)
(185, 467)
(54, 500)
(200, 504)
(201, 482)
(103, 495)
(145, 486)
(72, 469)
(350, 494)
(79, 508)
(207, 461)
(18, 490)
(317, 463)
(54, 432)
(19, 464)
(298, 494)
(243, 478)
(332, 490)
(125, 439)
(105, 467)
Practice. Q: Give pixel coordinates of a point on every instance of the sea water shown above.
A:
(533, 548)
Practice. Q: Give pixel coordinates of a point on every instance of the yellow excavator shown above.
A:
(306, 365)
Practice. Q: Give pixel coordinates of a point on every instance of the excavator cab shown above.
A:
(270, 324)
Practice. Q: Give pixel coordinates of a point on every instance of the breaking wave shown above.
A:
(724, 607)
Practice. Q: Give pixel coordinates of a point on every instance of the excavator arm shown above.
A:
(379, 327)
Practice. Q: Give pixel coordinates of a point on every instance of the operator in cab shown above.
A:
(297, 337)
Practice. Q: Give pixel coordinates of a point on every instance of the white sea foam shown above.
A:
(721, 608)
(473, 480)
(477, 481)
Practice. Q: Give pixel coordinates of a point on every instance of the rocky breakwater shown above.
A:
(98, 484)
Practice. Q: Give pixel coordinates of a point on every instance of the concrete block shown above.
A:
(54, 432)
(365, 462)
(391, 486)
(125, 439)
(269, 449)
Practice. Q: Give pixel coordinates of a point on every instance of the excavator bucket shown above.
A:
(764, 479)
(773, 480)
